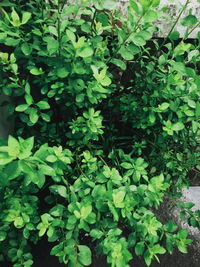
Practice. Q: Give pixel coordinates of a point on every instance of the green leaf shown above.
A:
(175, 35)
(51, 158)
(29, 99)
(148, 258)
(53, 30)
(118, 199)
(26, 167)
(13, 146)
(22, 107)
(157, 249)
(26, 146)
(163, 106)
(71, 36)
(57, 210)
(2, 236)
(125, 53)
(57, 249)
(59, 189)
(178, 126)
(182, 234)
(26, 49)
(15, 18)
(62, 72)
(127, 165)
(84, 255)
(119, 63)
(85, 52)
(145, 3)
(197, 111)
(96, 234)
(85, 211)
(18, 222)
(155, 3)
(137, 39)
(43, 105)
(45, 117)
(182, 247)
(28, 88)
(139, 248)
(40, 180)
(47, 170)
(33, 116)
(170, 226)
(189, 21)
(52, 45)
(150, 16)
(36, 71)
(134, 6)
(25, 17)
(12, 170)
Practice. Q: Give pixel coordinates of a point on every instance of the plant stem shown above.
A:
(93, 20)
(187, 35)
(175, 23)
(134, 30)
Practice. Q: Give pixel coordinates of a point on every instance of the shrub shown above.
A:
(114, 112)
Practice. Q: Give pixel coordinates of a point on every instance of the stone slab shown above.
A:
(174, 9)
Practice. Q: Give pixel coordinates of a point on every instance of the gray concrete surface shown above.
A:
(174, 7)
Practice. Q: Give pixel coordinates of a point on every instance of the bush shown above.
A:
(114, 112)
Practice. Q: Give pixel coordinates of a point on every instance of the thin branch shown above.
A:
(175, 23)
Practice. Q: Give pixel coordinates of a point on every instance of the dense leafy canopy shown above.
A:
(115, 117)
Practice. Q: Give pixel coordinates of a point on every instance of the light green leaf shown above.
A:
(178, 126)
(51, 158)
(84, 255)
(127, 165)
(29, 99)
(36, 71)
(157, 249)
(59, 189)
(85, 211)
(85, 52)
(43, 105)
(155, 3)
(139, 248)
(163, 106)
(22, 107)
(197, 111)
(33, 116)
(13, 146)
(96, 233)
(150, 16)
(125, 53)
(137, 39)
(15, 18)
(47, 170)
(25, 17)
(26, 49)
(71, 36)
(118, 199)
(119, 63)
(62, 72)
(52, 45)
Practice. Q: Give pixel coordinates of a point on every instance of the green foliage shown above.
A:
(115, 119)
